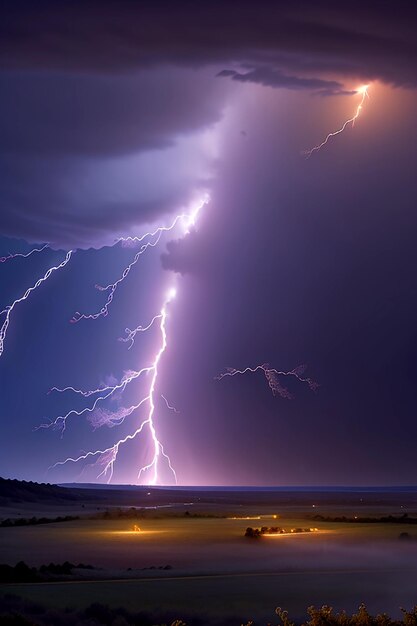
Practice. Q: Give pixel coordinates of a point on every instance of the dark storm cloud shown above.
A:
(48, 214)
(368, 39)
(270, 77)
(96, 80)
(59, 114)
(65, 137)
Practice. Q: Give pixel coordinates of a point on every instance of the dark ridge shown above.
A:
(385, 519)
(14, 491)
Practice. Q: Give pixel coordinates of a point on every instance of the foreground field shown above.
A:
(240, 596)
(212, 570)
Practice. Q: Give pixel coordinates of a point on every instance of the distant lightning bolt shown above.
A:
(16, 255)
(272, 376)
(8, 310)
(363, 91)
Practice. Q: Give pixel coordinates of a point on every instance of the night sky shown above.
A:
(117, 116)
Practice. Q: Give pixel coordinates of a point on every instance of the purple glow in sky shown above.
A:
(106, 459)
(115, 131)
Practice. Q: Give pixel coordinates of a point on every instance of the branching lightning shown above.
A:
(272, 376)
(158, 449)
(105, 458)
(111, 288)
(15, 255)
(96, 412)
(131, 334)
(102, 417)
(60, 422)
(97, 415)
(8, 310)
(363, 91)
(187, 220)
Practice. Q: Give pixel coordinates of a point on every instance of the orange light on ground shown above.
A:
(136, 533)
(249, 517)
(292, 533)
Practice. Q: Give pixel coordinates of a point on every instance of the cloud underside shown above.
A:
(271, 77)
(87, 158)
(89, 84)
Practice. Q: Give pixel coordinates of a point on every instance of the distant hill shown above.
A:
(18, 491)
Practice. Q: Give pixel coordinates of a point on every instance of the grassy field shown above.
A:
(215, 570)
(246, 596)
(185, 543)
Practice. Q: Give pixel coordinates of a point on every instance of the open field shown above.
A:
(201, 545)
(213, 569)
(246, 596)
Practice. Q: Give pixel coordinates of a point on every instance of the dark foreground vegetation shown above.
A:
(326, 616)
(15, 611)
(22, 573)
(34, 521)
(142, 513)
(14, 491)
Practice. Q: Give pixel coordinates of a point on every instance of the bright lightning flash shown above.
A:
(105, 459)
(362, 91)
(272, 376)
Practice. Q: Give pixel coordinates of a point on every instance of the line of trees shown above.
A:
(253, 533)
(34, 521)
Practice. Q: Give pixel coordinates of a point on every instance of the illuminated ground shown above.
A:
(214, 569)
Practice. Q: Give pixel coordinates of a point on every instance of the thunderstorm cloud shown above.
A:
(88, 84)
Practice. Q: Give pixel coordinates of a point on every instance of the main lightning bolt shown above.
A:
(9, 309)
(158, 449)
(363, 91)
(98, 416)
(272, 376)
(106, 458)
